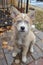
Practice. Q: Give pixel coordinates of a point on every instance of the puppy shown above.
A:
(24, 37)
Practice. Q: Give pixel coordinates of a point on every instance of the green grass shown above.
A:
(39, 20)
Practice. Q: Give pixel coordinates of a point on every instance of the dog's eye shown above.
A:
(26, 21)
(19, 21)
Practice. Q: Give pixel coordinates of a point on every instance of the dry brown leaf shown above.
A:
(8, 27)
(1, 33)
(1, 29)
(4, 46)
(5, 43)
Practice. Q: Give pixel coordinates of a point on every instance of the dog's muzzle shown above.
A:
(22, 28)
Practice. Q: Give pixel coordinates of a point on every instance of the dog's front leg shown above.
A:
(24, 53)
(32, 44)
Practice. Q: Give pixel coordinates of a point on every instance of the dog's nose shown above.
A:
(22, 28)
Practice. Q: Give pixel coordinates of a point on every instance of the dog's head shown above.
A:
(22, 21)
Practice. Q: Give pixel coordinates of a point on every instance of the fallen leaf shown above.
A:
(1, 29)
(4, 46)
(5, 43)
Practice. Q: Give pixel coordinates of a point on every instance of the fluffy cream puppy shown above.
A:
(24, 37)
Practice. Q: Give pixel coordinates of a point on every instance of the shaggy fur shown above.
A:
(22, 34)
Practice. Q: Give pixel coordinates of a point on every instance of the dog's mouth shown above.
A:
(22, 31)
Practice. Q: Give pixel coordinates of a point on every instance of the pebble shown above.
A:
(17, 61)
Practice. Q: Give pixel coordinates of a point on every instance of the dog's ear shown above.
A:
(31, 14)
(13, 11)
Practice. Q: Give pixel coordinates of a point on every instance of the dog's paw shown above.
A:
(14, 54)
(24, 59)
(31, 50)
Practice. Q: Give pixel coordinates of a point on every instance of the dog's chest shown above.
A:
(20, 40)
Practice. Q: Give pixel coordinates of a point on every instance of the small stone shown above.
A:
(10, 48)
(36, 32)
(14, 54)
(17, 61)
(42, 48)
(6, 22)
(36, 62)
(33, 27)
(1, 55)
